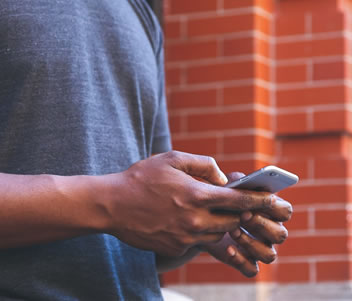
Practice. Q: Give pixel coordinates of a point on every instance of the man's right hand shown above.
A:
(158, 205)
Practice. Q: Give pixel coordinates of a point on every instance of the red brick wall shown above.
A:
(254, 82)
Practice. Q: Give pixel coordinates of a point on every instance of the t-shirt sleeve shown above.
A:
(161, 135)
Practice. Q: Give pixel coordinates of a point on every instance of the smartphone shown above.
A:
(270, 178)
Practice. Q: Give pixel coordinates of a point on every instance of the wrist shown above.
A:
(106, 190)
(85, 199)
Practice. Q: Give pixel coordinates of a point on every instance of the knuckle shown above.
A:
(240, 261)
(197, 196)
(268, 201)
(258, 222)
(210, 160)
(244, 200)
(174, 155)
(196, 224)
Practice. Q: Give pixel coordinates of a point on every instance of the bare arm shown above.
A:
(154, 205)
(43, 208)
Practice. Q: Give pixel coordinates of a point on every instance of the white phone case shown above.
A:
(270, 178)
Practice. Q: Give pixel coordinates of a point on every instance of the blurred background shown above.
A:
(258, 82)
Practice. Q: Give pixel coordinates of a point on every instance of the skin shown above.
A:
(251, 242)
(156, 205)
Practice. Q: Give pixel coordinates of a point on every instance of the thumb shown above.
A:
(204, 167)
(233, 176)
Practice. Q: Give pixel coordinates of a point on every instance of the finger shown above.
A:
(208, 238)
(227, 252)
(265, 229)
(206, 222)
(235, 200)
(255, 248)
(280, 210)
(204, 167)
(223, 222)
(233, 176)
(236, 259)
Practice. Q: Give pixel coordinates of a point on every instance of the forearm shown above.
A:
(43, 208)
(165, 263)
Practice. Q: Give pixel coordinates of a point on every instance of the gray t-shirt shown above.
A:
(81, 92)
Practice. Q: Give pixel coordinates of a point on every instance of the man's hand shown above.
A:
(253, 242)
(157, 204)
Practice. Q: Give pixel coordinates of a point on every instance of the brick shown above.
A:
(346, 146)
(186, 6)
(289, 74)
(311, 96)
(333, 271)
(331, 219)
(306, 195)
(215, 25)
(221, 121)
(293, 123)
(266, 273)
(289, 24)
(175, 124)
(267, 5)
(214, 273)
(348, 70)
(172, 277)
(221, 72)
(262, 48)
(248, 144)
(298, 166)
(299, 221)
(186, 51)
(263, 120)
(220, 25)
(328, 22)
(203, 146)
(173, 76)
(246, 46)
(239, 144)
(245, 166)
(304, 6)
(315, 146)
(262, 71)
(265, 145)
(310, 48)
(331, 168)
(172, 29)
(246, 94)
(262, 24)
(192, 99)
(326, 71)
(314, 245)
(239, 46)
(291, 272)
(330, 121)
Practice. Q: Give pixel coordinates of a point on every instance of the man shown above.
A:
(86, 214)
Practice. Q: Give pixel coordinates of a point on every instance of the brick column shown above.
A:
(220, 95)
(254, 82)
(313, 136)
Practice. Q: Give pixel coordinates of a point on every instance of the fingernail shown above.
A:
(231, 250)
(246, 216)
(236, 233)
